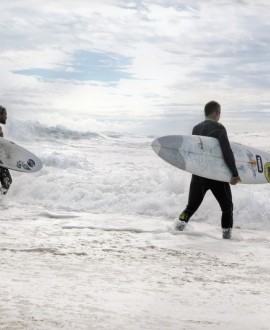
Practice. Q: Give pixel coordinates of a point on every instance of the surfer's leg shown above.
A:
(223, 194)
(5, 179)
(197, 190)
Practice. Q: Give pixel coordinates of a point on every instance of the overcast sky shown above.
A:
(153, 63)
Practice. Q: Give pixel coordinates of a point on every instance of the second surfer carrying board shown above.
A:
(199, 186)
(5, 177)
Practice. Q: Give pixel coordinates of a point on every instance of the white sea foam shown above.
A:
(112, 173)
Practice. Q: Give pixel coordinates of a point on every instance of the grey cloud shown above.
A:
(223, 45)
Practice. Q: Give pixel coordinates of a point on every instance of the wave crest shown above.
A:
(29, 130)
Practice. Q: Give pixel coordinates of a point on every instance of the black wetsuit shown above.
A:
(5, 177)
(5, 180)
(221, 190)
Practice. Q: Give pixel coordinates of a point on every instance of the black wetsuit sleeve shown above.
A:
(227, 151)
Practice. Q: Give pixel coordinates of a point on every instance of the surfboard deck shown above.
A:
(15, 157)
(202, 156)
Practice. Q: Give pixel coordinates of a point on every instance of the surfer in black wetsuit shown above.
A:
(5, 177)
(199, 186)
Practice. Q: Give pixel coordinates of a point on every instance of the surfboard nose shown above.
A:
(156, 146)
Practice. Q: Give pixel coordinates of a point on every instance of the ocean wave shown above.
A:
(32, 130)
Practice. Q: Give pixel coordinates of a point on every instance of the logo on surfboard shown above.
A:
(267, 171)
(31, 162)
(252, 164)
(27, 166)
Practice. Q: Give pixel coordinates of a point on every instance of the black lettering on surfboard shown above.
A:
(259, 163)
(200, 144)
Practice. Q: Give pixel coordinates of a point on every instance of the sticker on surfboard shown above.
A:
(267, 171)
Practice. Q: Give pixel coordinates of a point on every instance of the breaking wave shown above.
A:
(33, 130)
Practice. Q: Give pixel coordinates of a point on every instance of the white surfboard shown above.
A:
(202, 156)
(17, 158)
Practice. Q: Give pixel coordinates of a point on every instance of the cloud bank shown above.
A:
(133, 60)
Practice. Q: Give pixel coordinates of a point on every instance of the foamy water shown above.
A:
(113, 173)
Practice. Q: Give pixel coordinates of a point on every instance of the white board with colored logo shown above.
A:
(202, 156)
(17, 158)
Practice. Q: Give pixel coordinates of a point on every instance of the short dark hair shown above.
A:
(211, 107)
(2, 109)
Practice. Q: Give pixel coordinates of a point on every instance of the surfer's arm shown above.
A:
(227, 152)
(1, 132)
